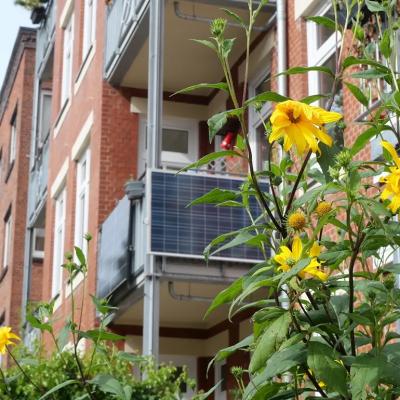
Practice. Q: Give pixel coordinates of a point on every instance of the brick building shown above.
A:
(103, 116)
(15, 135)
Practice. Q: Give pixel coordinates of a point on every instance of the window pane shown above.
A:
(324, 33)
(264, 86)
(175, 140)
(45, 117)
(262, 147)
(325, 86)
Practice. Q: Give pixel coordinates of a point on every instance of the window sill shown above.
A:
(10, 168)
(61, 116)
(3, 273)
(86, 62)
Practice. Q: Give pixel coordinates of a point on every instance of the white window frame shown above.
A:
(318, 55)
(89, 26)
(37, 233)
(13, 138)
(219, 393)
(7, 240)
(82, 192)
(254, 120)
(171, 159)
(42, 138)
(68, 53)
(59, 239)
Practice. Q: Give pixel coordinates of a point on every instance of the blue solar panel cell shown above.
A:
(178, 229)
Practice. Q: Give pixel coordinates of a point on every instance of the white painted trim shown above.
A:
(58, 183)
(83, 138)
(84, 67)
(61, 118)
(66, 13)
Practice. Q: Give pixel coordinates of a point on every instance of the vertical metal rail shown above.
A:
(151, 311)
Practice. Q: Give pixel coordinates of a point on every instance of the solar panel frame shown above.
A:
(181, 231)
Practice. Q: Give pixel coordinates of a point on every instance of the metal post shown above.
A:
(151, 307)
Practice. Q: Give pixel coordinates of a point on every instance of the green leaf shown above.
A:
(206, 43)
(215, 196)
(298, 267)
(210, 157)
(267, 97)
(235, 17)
(363, 139)
(81, 257)
(58, 387)
(375, 6)
(217, 121)
(226, 295)
(226, 47)
(323, 362)
(371, 73)
(325, 21)
(260, 389)
(35, 323)
(351, 60)
(311, 99)
(365, 372)
(394, 268)
(221, 86)
(269, 342)
(228, 351)
(97, 334)
(385, 44)
(304, 70)
(357, 93)
(108, 384)
(204, 396)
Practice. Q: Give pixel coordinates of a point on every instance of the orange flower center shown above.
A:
(292, 118)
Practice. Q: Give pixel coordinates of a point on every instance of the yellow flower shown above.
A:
(6, 338)
(300, 125)
(391, 190)
(323, 208)
(296, 221)
(287, 258)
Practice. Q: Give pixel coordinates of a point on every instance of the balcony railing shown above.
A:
(122, 16)
(175, 229)
(45, 35)
(38, 181)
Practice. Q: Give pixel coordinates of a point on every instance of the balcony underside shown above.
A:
(185, 62)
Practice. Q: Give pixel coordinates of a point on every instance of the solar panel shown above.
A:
(181, 230)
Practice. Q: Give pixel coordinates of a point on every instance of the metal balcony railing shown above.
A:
(45, 35)
(175, 229)
(122, 15)
(38, 181)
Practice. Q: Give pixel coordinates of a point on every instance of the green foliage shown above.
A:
(323, 316)
(29, 4)
(110, 376)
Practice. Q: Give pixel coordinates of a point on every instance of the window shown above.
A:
(38, 243)
(7, 240)
(89, 26)
(179, 144)
(44, 118)
(67, 61)
(82, 200)
(59, 233)
(13, 139)
(322, 52)
(258, 139)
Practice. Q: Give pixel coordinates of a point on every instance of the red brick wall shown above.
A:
(14, 188)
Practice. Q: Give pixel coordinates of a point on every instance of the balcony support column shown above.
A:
(151, 311)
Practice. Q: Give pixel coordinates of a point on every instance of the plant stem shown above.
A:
(40, 390)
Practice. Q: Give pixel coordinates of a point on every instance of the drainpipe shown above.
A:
(281, 29)
(151, 301)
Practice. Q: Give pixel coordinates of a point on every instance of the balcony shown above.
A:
(45, 37)
(38, 183)
(170, 230)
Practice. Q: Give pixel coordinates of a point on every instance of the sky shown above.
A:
(14, 17)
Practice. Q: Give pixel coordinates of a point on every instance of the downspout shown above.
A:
(281, 31)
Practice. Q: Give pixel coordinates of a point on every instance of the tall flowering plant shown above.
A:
(327, 326)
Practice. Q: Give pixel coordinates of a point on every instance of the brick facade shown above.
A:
(16, 105)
